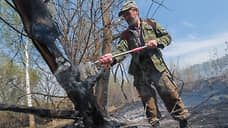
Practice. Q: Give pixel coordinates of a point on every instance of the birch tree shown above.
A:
(27, 80)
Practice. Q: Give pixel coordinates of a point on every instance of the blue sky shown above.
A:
(199, 28)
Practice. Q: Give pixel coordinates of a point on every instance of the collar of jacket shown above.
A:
(143, 25)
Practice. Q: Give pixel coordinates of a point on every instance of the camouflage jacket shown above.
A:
(154, 55)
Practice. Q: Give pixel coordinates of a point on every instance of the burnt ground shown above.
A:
(205, 116)
(206, 102)
(208, 106)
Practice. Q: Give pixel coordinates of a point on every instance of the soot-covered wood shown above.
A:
(44, 32)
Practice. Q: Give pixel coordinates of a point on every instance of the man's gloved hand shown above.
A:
(106, 59)
(152, 44)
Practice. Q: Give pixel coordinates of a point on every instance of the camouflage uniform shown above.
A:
(148, 67)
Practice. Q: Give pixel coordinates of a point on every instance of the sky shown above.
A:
(199, 28)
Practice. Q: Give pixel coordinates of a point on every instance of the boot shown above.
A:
(183, 123)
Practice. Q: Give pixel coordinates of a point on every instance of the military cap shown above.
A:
(126, 6)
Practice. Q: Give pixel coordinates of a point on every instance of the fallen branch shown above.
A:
(42, 94)
(47, 113)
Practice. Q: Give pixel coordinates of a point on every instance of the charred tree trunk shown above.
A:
(43, 31)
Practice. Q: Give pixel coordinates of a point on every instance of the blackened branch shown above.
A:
(47, 113)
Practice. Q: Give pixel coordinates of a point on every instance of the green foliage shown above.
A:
(34, 76)
(12, 81)
(9, 76)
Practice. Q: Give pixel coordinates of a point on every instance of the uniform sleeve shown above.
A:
(163, 37)
(121, 47)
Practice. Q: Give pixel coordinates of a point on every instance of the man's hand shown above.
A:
(106, 59)
(152, 44)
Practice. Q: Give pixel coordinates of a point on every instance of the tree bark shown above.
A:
(28, 90)
(43, 31)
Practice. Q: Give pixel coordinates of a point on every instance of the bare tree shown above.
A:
(40, 27)
(28, 90)
(81, 34)
(87, 34)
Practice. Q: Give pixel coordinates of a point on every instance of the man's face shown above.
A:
(131, 16)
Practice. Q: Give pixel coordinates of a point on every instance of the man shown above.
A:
(147, 66)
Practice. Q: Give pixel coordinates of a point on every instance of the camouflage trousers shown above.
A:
(146, 83)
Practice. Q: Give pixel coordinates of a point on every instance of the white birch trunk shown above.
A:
(28, 90)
